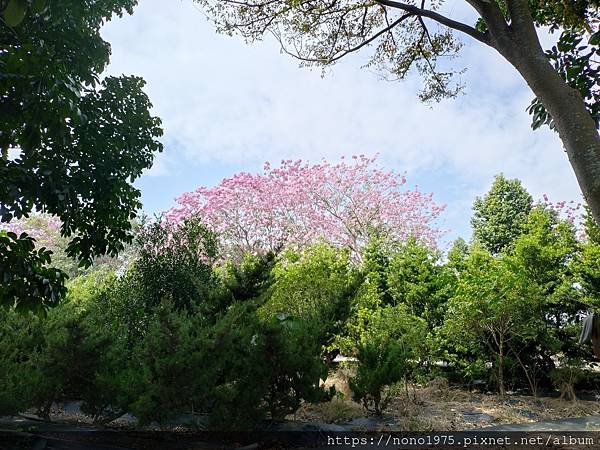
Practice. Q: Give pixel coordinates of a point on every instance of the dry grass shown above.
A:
(438, 407)
(338, 410)
(447, 409)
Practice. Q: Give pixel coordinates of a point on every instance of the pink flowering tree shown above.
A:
(571, 211)
(299, 203)
(46, 230)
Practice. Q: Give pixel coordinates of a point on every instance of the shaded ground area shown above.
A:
(435, 408)
(26, 434)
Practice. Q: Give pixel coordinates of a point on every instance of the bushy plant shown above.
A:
(292, 355)
(249, 279)
(389, 349)
(315, 287)
(175, 264)
(235, 364)
(266, 367)
(20, 337)
(496, 312)
(415, 277)
(168, 366)
(82, 352)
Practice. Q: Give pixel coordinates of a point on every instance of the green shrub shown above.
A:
(235, 361)
(20, 337)
(292, 355)
(416, 278)
(266, 368)
(168, 366)
(175, 264)
(388, 344)
(82, 353)
(249, 279)
(315, 287)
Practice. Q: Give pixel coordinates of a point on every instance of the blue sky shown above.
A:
(227, 106)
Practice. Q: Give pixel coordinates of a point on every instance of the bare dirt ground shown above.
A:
(432, 408)
(438, 407)
(435, 407)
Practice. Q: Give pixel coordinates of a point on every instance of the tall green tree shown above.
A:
(457, 255)
(545, 252)
(500, 215)
(408, 34)
(71, 143)
(497, 310)
(417, 279)
(587, 264)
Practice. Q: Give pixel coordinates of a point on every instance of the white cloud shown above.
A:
(224, 102)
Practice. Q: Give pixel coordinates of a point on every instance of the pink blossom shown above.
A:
(299, 203)
(44, 228)
(571, 211)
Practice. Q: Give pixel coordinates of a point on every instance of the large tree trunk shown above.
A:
(519, 44)
(574, 124)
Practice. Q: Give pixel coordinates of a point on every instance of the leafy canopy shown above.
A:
(401, 36)
(71, 144)
(500, 215)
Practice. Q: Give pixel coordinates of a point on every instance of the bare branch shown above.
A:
(425, 57)
(446, 21)
(346, 52)
(372, 38)
(250, 5)
(387, 22)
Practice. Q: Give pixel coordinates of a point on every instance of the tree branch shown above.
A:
(372, 38)
(521, 20)
(346, 52)
(496, 23)
(446, 21)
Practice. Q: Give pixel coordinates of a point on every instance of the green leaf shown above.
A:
(38, 6)
(15, 12)
(595, 38)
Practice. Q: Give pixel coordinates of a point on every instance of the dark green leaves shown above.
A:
(82, 143)
(37, 6)
(15, 11)
(561, 14)
(25, 280)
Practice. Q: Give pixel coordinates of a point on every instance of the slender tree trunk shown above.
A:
(529, 375)
(519, 45)
(501, 371)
